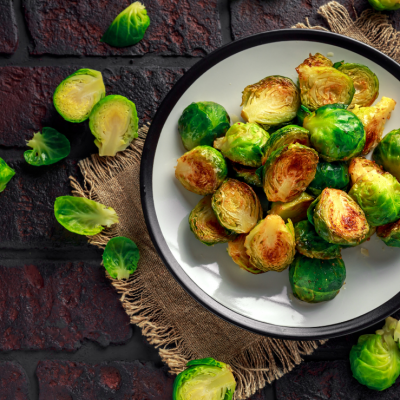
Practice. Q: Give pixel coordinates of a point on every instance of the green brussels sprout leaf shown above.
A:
(387, 153)
(390, 234)
(338, 64)
(302, 112)
(295, 210)
(385, 5)
(6, 173)
(248, 175)
(329, 175)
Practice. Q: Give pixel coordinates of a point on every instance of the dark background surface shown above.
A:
(63, 333)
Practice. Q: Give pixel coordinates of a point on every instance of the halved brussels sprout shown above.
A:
(205, 226)
(6, 173)
(337, 134)
(75, 97)
(385, 5)
(236, 206)
(330, 175)
(360, 166)
(310, 244)
(390, 233)
(314, 280)
(205, 379)
(324, 85)
(201, 123)
(272, 101)
(239, 255)
(374, 119)
(289, 134)
(295, 210)
(201, 170)
(243, 143)
(317, 60)
(387, 153)
(271, 244)
(337, 218)
(248, 175)
(288, 172)
(114, 123)
(365, 83)
(378, 196)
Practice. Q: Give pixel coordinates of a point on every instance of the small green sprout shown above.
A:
(6, 173)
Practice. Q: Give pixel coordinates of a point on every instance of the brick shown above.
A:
(108, 380)
(249, 17)
(57, 306)
(13, 382)
(328, 380)
(180, 27)
(8, 28)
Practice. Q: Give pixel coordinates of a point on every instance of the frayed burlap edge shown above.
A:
(371, 28)
(254, 367)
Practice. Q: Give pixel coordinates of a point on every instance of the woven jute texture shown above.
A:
(169, 318)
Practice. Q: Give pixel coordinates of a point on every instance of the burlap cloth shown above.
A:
(169, 318)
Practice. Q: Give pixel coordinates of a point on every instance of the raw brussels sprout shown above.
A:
(385, 5)
(271, 244)
(378, 196)
(390, 233)
(205, 226)
(75, 97)
(243, 143)
(295, 210)
(375, 359)
(121, 257)
(374, 119)
(201, 123)
(6, 173)
(288, 171)
(83, 216)
(329, 175)
(360, 166)
(236, 206)
(272, 101)
(337, 134)
(337, 218)
(324, 85)
(289, 134)
(387, 153)
(114, 123)
(317, 60)
(311, 245)
(201, 170)
(205, 379)
(248, 175)
(48, 147)
(129, 27)
(239, 255)
(314, 280)
(365, 82)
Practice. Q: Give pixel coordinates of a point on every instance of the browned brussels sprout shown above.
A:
(360, 166)
(390, 233)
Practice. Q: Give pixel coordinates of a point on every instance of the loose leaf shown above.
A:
(6, 173)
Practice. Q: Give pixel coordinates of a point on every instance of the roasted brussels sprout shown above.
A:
(129, 27)
(239, 255)
(374, 119)
(205, 226)
(271, 244)
(310, 244)
(390, 233)
(337, 218)
(385, 5)
(302, 112)
(387, 153)
(314, 280)
(375, 359)
(295, 210)
(6, 173)
(337, 134)
(378, 195)
(204, 379)
(114, 123)
(272, 101)
(201, 123)
(289, 134)
(317, 60)
(243, 143)
(201, 170)
(288, 171)
(329, 175)
(365, 82)
(75, 97)
(248, 175)
(236, 206)
(324, 85)
(360, 166)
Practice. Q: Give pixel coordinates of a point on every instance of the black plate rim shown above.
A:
(146, 189)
